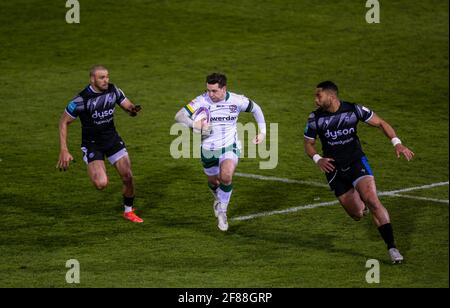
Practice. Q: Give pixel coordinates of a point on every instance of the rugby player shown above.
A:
(95, 107)
(220, 149)
(345, 165)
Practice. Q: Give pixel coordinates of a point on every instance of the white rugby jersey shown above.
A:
(224, 117)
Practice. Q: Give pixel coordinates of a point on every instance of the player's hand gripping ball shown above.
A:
(202, 121)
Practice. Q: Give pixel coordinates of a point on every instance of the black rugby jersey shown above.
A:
(337, 131)
(96, 112)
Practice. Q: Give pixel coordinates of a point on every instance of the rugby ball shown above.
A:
(202, 113)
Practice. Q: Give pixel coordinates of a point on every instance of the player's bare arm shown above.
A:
(130, 108)
(198, 126)
(387, 129)
(323, 163)
(64, 155)
(182, 118)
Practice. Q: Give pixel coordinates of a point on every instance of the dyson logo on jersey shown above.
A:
(338, 133)
(102, 114)
(227, 118)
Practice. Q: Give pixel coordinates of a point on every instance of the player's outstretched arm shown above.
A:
(389, 132)
(130, 108)
(323, 163)
(64, 155)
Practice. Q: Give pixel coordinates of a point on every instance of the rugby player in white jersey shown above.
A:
(220, 149)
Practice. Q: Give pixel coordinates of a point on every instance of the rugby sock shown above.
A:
(387, 234)
(213, 189)
(224, 195)
(128, 203)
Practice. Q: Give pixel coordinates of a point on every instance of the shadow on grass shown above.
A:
(403, 219)
(305, 240)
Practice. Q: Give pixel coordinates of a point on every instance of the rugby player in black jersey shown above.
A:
(346, 167)
(95, 107)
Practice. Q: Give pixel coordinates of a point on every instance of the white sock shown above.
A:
(222, 208)
(224, 198)
(128, 209)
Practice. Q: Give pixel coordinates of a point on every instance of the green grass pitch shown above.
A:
(275, 52)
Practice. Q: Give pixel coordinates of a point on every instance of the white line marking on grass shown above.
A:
(419, 198)
(393, 193)
(271, 178)
(414, 188)
(286, 211)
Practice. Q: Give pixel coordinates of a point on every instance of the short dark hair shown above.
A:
(214, 78)
(328, 86)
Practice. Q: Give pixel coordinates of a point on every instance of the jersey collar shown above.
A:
(92, 90)
(227, 96)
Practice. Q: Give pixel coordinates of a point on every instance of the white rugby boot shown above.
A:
(222, 219)
(221, 216)
(216, 205)
(395, 255)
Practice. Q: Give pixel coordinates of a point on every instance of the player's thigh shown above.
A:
(123, 167)
(362, 179)
(228, 164)
(367, 190)
(97, 172)
(351, 202)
